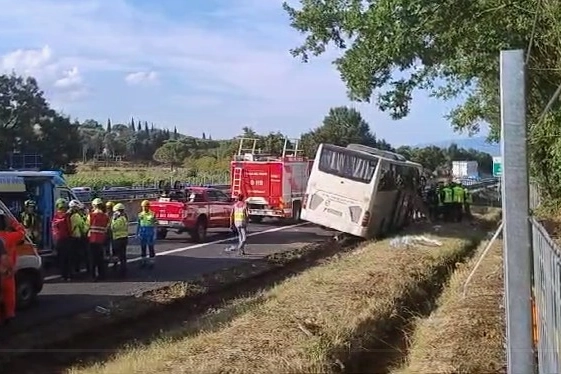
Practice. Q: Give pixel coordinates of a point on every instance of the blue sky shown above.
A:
(201, 65)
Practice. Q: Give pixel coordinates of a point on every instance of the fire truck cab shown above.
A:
(273, 186)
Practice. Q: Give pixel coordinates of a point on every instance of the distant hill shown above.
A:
(478, 143)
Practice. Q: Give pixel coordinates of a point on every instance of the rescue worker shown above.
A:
(468, 200)
(108, 254)
(447, 197)
(146, 232)
(97, 223)
(120, 234)
(60, 230)
(31, 221)
(11, 234)
(458, 192)
(78, 231)
(239, 219)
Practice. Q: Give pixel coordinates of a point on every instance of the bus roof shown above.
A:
(369, 155)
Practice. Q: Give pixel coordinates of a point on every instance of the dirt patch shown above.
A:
(318, 321)
(464, 335)
(92, 335)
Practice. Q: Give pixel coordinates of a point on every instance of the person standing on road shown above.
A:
(468, 200)
(239, 219)
(60, 230)
(146, 232)
(458, 192)
(108, 248)
(120, 236)
(78, 251)
(11, 234)
(97, 223)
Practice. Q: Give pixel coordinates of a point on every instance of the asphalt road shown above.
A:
(178, 259)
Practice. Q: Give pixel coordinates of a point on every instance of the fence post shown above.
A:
(517, 236)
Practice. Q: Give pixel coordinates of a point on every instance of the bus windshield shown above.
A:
(347, 164)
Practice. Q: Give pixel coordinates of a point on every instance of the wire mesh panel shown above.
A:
(547, 292)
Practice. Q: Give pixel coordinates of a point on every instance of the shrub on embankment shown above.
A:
(318, 321)
(464, 335)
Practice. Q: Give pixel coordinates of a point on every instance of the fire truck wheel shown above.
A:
(26, 289)
(199, 233)
(256, 219)
(161, 234)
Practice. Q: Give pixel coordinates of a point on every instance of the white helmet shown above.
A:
(74, 204)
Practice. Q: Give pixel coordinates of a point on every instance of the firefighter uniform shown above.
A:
(458, 192)
(120, 235)
(60, 230)
(146, 232)
(97, 223)
(468, 200)
(447, 199)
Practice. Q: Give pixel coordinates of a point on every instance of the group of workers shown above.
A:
(92, 239)
(449, 201)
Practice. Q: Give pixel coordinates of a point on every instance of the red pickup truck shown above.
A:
(193, 210)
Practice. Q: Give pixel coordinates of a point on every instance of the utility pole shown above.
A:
(515, 199)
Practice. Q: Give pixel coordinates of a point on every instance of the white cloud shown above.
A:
(27, 61)
(244, 56)
(52, 73)
(71, 79)
(141, 77)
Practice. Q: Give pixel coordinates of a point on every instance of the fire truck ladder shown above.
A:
(237, 181)
(291, 148)
(243, 148)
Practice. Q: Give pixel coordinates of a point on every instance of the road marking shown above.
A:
(182, 249)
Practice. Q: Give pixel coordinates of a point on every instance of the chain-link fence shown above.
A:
(547, 299)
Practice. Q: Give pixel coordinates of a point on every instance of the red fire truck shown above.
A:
(273, 186)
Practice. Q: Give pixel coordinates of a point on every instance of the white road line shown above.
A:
(182, 249)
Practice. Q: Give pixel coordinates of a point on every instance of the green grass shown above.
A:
(148, 177)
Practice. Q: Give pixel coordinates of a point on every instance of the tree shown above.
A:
(29, 125)
(108, 128)
(342, 126)
(414, 38)
(172, 153)
(133, 127)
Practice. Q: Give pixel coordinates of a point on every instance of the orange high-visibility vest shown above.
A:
(98, 227)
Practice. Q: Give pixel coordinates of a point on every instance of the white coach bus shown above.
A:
(361, 191)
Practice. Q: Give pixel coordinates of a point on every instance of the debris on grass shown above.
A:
(464, 335)
(317, 321)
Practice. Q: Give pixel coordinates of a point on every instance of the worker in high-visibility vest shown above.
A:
(97, 223)
(120, 235)
(447, 198)
(458, 204)
(468, 200)
(108, 254)
(239, 219)
(146, 232)
(11, 234)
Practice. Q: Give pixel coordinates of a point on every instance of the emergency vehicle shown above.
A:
(273, 186)
(193, 210)
(29, 271)
(44, 187)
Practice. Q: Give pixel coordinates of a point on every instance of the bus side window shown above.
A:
(387, 178)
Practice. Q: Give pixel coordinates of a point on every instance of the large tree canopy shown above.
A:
(448, 47)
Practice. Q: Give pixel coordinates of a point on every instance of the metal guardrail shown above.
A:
(119, 193)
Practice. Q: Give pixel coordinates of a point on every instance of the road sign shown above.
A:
(497, 166)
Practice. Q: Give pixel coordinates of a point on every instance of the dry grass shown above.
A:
(310, 323)
(464, 335)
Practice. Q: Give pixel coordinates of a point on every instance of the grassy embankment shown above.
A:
(331, 318)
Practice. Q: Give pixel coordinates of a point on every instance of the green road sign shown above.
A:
(497, 166)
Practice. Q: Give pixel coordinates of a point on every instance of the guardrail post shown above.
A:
(515, 195)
